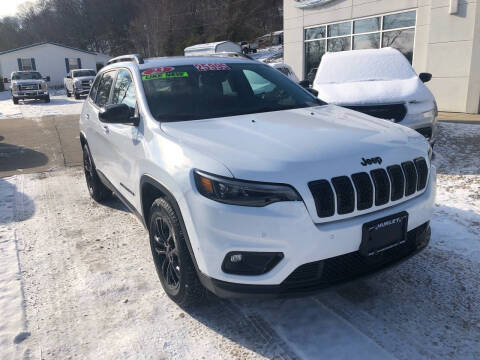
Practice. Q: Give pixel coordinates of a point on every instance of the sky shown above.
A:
(9, 7)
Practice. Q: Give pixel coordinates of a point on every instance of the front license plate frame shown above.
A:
(383, 234)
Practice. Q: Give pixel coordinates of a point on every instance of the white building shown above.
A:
(50, 59)
(441, 37)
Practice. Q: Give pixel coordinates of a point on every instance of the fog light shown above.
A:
(250, 263)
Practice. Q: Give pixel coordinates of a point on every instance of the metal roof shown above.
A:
(45, 43)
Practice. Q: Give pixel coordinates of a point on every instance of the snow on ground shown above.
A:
(59, 104)
(273, 54)
(91, 290)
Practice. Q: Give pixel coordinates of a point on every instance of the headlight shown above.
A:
(77, 83)
(15, 87)
(44, 86)
(241, 192)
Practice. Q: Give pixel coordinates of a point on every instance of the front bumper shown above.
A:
(30, 94)
(217, 229)
(313, 277)
(81, 91)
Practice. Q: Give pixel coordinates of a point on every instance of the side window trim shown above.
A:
(93, 101)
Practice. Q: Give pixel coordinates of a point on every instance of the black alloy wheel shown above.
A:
(167, 253)
(171, 256)
(97, 190)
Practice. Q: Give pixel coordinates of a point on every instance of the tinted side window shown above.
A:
(104, 88)
(93, 90)
(124, 90)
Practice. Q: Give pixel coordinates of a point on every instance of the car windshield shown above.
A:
(26, 76)
(81, 73)
(202, 91)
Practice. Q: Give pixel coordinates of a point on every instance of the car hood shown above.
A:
(307, 143)
(21, 82)
(374, 92)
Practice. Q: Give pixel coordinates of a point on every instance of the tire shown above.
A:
(68, 93)
(47, 98)
(15, 100)
(77, 96)
(97, 190)
(171, 256)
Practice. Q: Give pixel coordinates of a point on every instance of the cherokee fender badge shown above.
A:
(374, 160)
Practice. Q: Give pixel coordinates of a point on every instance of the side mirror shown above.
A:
(425, 77)
(304, 83)
(5, 80)
(312, 91)
(117, 114)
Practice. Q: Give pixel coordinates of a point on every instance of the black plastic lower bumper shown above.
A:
(312, 277)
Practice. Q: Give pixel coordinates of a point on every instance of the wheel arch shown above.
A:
(150, 190)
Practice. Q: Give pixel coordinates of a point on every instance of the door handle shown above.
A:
(106, 129)
(87, 116)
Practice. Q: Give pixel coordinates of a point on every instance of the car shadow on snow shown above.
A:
(15, 206)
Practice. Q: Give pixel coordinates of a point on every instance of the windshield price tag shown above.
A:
(211, 67)
(158, 70)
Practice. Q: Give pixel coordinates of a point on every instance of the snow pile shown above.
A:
(273, 54)
(59, 104)
(363, 65)
(368, 77)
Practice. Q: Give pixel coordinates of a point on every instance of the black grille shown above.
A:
(364, 188)
(397, 181)
(388, 185)
(382, 186)
(422, 172)
(426, 132)
(323, 196)
(341, 268)
(410, 177)
(345, 194)
(394, 112)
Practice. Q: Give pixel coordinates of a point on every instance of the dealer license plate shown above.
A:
(383, 234)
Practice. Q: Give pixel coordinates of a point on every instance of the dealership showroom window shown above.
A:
(394, 30)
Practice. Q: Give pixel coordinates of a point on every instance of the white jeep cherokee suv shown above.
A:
(248, 184)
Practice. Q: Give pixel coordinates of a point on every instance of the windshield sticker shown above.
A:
(165, 75)
(211, 67)
(158, 70)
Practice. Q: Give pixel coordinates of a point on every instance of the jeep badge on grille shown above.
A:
(375, 160)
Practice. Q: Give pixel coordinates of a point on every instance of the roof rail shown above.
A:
(131, 57)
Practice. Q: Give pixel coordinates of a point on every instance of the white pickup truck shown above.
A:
(78, 82)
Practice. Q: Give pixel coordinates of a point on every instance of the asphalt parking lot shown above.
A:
(29, 145)
(89, 287)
